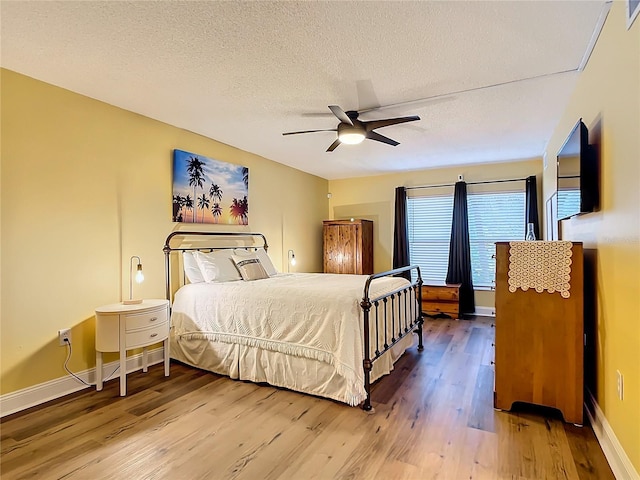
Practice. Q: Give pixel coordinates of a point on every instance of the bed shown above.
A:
(329, 335)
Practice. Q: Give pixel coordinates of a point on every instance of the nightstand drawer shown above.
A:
(147, 336)
(136, 321)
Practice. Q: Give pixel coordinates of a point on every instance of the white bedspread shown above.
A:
(314, 316)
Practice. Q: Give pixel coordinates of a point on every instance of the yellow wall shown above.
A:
(607, 97)
(373, 198)
(85, 185)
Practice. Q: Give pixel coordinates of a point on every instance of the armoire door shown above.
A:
(348, 246)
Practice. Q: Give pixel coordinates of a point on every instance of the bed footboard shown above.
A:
(395, 315)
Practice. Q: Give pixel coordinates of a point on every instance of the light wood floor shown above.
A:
(434, 419)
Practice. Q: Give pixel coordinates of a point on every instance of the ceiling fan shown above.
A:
(352, 131)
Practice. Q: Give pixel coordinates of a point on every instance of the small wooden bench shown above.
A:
(441, 299)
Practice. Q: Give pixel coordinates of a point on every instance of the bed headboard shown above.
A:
(181, 241)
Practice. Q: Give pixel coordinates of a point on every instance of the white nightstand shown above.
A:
(122, 327)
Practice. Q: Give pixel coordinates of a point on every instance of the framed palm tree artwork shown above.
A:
(209, 191)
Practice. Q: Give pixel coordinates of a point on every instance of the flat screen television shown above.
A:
(578, 182)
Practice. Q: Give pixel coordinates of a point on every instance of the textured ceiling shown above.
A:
(488, 79)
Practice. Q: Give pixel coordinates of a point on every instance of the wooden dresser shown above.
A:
(539, 340)
(441, 299)
(348, 246)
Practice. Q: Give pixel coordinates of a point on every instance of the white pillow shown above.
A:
(249, 267)
(191, 268)
(217, 266)
(266, 262)
(263, 256)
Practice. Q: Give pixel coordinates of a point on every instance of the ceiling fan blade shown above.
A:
(381, 138)
(311, 131)
(373, 124)
(334, 145)
(340, 114)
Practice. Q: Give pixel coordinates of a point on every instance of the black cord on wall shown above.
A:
(66, 340)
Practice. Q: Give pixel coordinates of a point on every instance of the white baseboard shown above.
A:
(485, 311)
(30, 397)
(618, 460)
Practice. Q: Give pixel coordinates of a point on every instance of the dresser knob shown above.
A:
(493, 363)
(154, 335)
(493, 344)
(153, 319)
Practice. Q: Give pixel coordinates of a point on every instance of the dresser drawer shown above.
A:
(147, 336)
(435, 308)
(444, 298)
(440, 293)
(135, 321)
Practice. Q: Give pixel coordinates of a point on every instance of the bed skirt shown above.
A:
(241, 362)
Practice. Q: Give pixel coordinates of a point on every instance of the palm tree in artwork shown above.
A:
(217, 212)
(215, 192)
(239, 210)
(244, 210)
(188, 203)
(196, 177)
(234, 209)
(178, 202)
(203, 204)
(245, 177)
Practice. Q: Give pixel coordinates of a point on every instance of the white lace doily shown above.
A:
(540, 265)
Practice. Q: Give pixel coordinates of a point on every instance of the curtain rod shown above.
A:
(468, 183)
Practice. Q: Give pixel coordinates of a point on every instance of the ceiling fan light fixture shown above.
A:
(353, 131)
(351, 138)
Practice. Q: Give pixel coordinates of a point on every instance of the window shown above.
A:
(429, 230)
(493, 217)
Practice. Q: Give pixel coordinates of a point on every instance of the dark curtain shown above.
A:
(531, 206)
(459, 270)
(400, 235)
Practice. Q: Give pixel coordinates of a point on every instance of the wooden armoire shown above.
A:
(348, 246)
(539, 333)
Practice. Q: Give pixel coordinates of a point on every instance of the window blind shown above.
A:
(493, 217)
(429, 230)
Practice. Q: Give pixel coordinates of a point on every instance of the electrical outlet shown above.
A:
(620, 384)
(63, 335)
